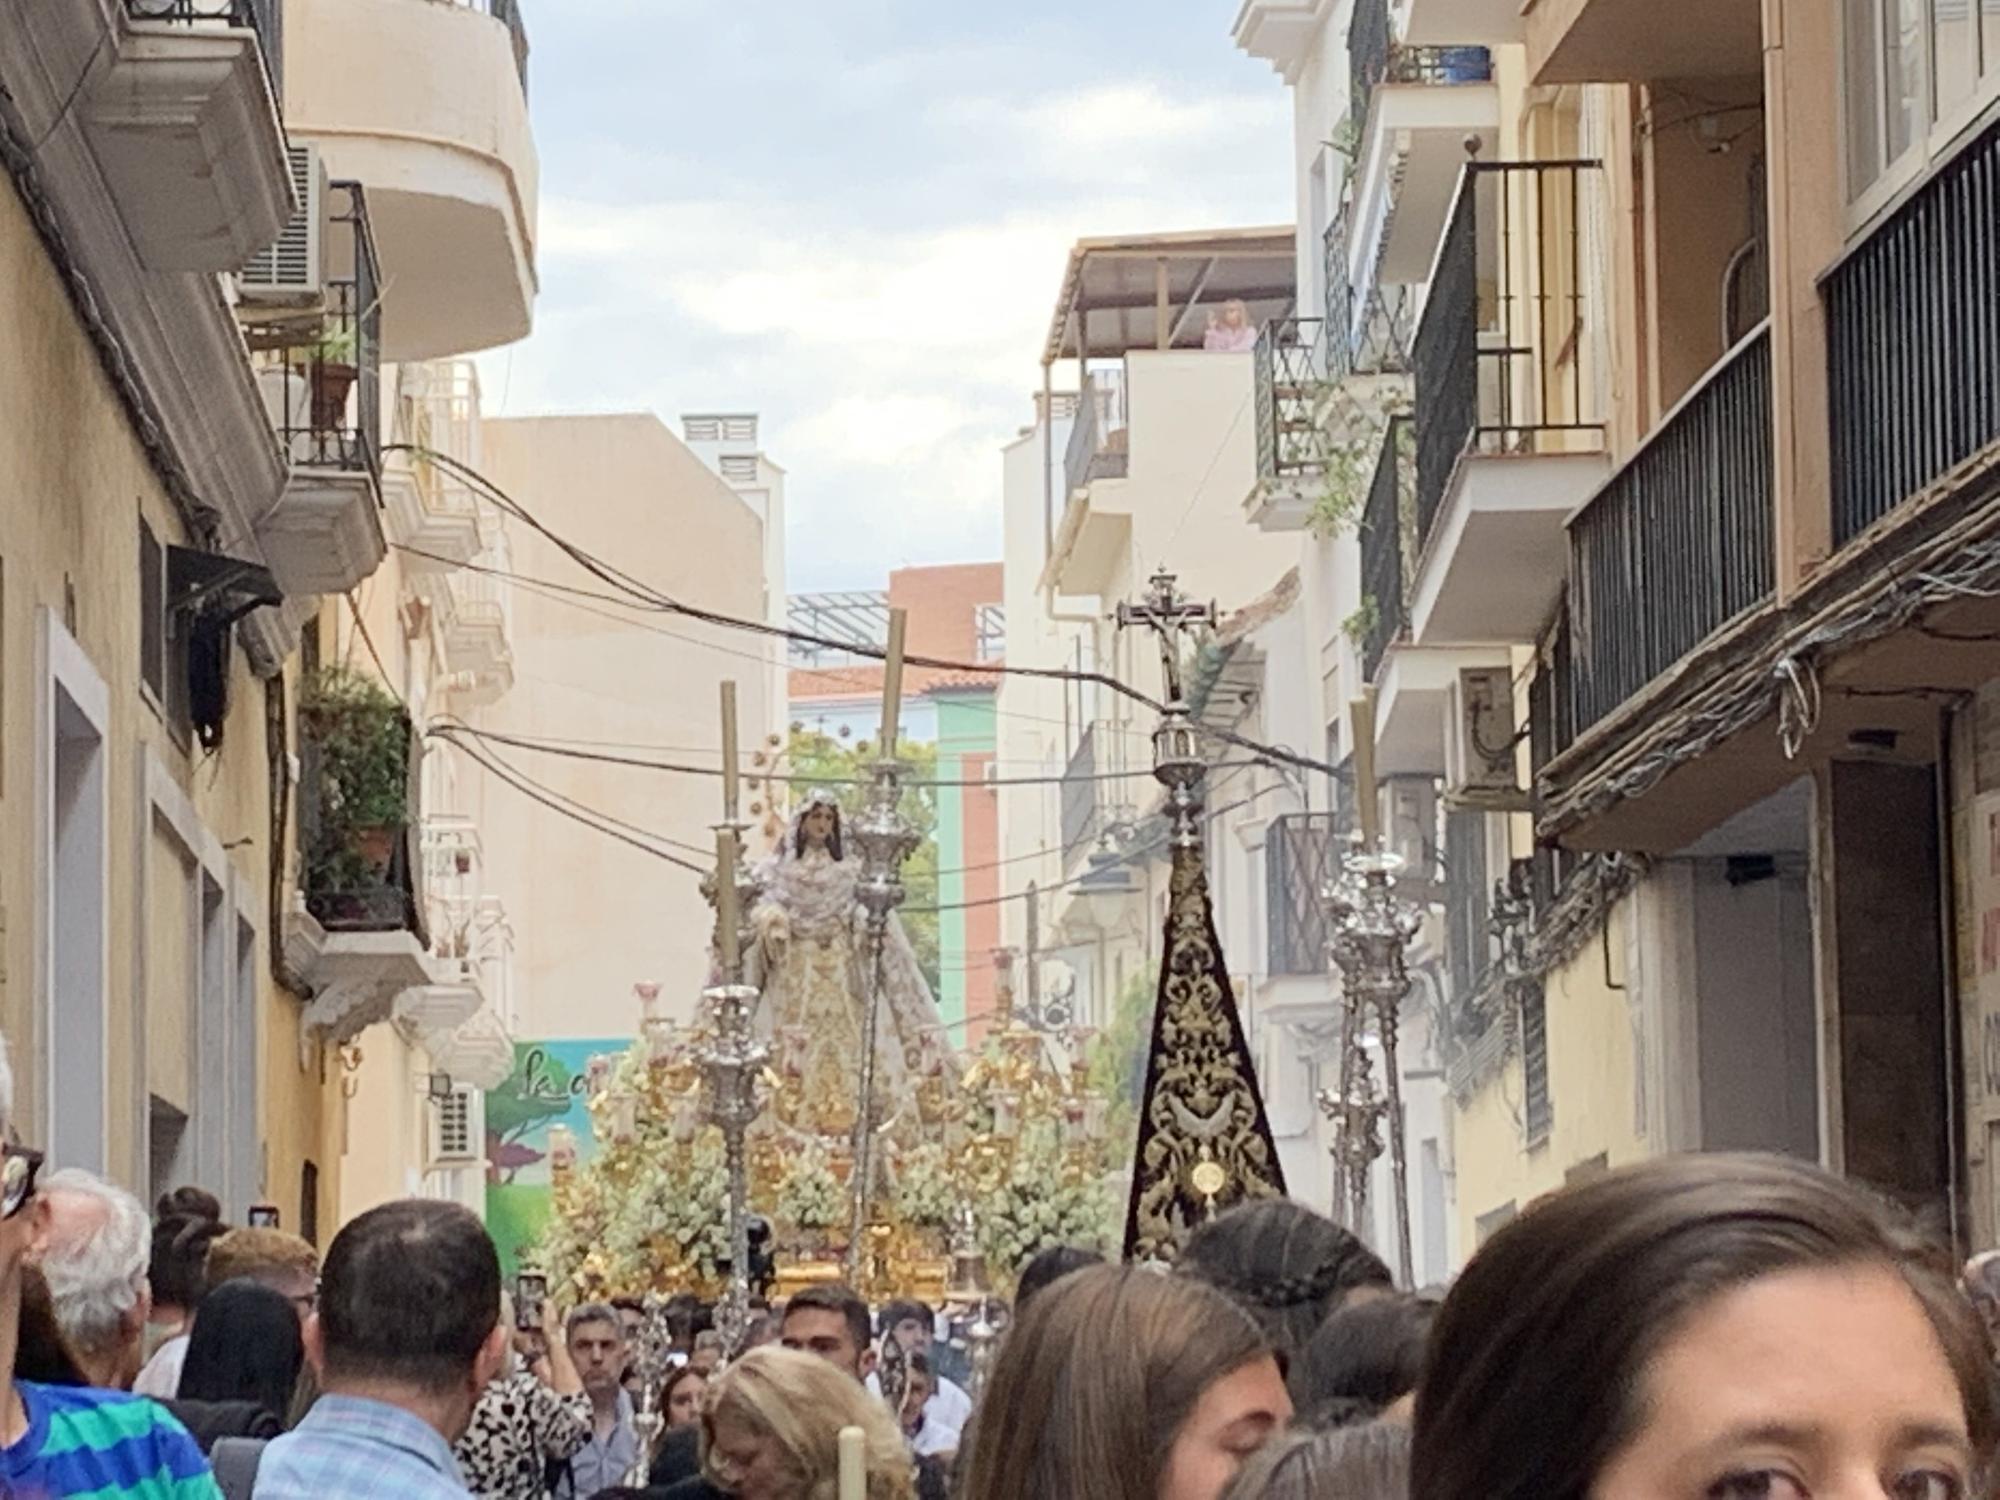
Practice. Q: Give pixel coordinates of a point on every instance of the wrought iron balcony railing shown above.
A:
(330, 361)
(1080, 797)
(1289, 379)
(265, 17)
(1369, 329)
(1375, 57)
(1097, 438)
(1387, 519)
(1500, 350)
(1679, 542)
(508, 13)
(356, 879)
(1913, 342)
(1301, 859)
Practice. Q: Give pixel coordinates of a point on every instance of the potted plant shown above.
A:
(361, 738)
(330, 360)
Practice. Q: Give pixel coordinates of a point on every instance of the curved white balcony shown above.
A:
(423, 101)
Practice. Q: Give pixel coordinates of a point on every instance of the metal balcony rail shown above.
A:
(1080, 796)
(265, 17)
(1375, 57)
(1301, 859)
(1499, 351)
(1097, 438)
(355, 880)
(508, 12)
(1913, 342)
(1387, 520)
(1289, 378)
(1369, 332)
(1678, 543)
(1551, 718)
(331, 360)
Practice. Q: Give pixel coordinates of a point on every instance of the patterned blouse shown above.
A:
(518, 1429)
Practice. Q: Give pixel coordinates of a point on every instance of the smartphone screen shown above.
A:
(531, 1289)
(264, 1216)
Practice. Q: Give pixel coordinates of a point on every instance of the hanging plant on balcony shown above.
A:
(359, 739)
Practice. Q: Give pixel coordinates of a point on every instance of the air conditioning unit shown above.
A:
(457, 1123)
(1481, 741)
(1409, 824)
(290, 273)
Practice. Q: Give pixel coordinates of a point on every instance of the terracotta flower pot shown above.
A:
(330, 384)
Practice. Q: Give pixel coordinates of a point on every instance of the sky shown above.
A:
(851, 216)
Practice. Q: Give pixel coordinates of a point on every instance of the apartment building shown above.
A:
(225, 256)
(1684, 541)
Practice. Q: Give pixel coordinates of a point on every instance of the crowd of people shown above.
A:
(1695, 1328)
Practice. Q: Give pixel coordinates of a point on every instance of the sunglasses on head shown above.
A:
(19, 1166)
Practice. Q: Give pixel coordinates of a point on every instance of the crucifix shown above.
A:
(1177, 761)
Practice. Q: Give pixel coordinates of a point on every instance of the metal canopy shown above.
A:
(1120, 294)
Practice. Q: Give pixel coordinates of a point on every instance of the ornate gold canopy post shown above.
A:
(1205, 1143)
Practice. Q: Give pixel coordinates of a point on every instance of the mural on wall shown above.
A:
(545, 1089)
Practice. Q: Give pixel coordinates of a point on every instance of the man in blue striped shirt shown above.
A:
(406, 1337)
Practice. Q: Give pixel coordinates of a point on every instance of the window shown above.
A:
(152, 613)
(1912, 65)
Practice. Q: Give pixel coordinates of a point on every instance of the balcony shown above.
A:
(1280, 31)
(320, 372)
(433, 511)
(1913, 335)
(1301, 860)
(180, 107)
(1509, 434)
(1098, 439)
(463, 1016)
(1290, 381)
(478, 628)
(1388, 525)
(424, 102)
(1450, 23)
(1678, 545)
(1415, 108)
(1639, 41)
(355, 936)
(1095, 791)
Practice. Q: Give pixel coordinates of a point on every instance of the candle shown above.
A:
(728, 954)
(729, 753)
(892, 684)
(853, 1464)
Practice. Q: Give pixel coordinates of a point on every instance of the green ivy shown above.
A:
(1363, 623)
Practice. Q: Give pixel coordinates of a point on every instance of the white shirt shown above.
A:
(161, 1378)
(945, 1416)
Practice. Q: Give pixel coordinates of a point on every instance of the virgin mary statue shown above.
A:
(812, 941)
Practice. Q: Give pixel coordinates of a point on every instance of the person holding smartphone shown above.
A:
(535, 1416)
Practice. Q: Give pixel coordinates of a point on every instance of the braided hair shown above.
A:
(1287, 1265)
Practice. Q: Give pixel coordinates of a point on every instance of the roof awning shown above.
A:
(1117, 293)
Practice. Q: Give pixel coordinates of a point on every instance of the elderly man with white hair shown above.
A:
(63, 1441)
(96, 1241)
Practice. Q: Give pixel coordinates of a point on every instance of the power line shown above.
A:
(665, 603)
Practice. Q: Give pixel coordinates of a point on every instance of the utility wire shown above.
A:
(665, 603)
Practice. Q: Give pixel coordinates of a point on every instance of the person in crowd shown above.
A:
(275, 1258)
(93, 1251)
(708, 1351)
(1369, 1355)
(58, 1442)
(771, 1431)
(1288, 1265)
(531, 1418)
(189, 1202)
(178, 1274)
(1122, 1383)
(681, 1397)
(597, 1348)
(1231, 332)
(243, 1364)
(406, 1337)
(948, 1408)
(920, 1384)
(1369, 1461)
(762, 1329)
(1717, 1327)
(632, 1323)
(40, 1354)
(1049, 1266)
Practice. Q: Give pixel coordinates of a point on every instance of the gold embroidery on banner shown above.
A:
(1204, 1142)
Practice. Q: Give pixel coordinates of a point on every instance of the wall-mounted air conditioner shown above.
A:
(290, 273)
(1482, 740)
(456, 1127)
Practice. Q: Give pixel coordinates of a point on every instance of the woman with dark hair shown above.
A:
(1708, 1327)
(1371, 1353)
(1049, 1266)
(680, 1397)
(1121, 1383)
(178, 1274)
(1366, 1462)
(242, 1365)
(1288, 1265)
